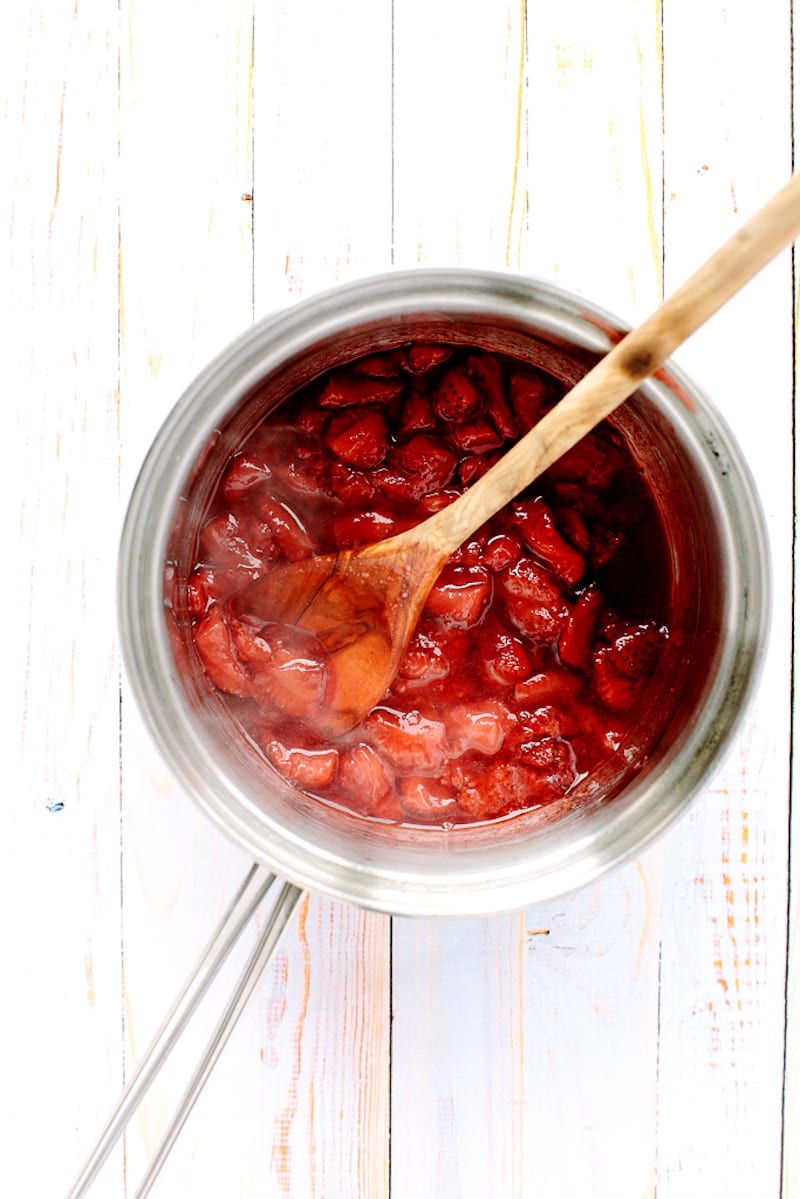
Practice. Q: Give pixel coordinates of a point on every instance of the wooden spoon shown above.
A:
(363, 604)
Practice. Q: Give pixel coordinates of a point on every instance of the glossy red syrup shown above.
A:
(539, 647)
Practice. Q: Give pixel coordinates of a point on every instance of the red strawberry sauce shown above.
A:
(541, 643)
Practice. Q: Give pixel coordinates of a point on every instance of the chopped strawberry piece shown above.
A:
(470, 553)
(472, 468)
(534, 521)
(549, 758)
(363, 442)
(476, 436)
(212, 637)
(456, 398)
(364, 777)
(531, 396)
(344, 389)
(617, 691)
(275, 445)
(208, 583)
(223, 543)
(460, 595)
(592, 461)
(635, 647)
(426, 798)
(551, 687)
(198, 596)
(606, 546)
(285, 526)
(252, 648)
(574, 528)
(437, 500)
(600, 739)
(416, 414)
(410, 742)
(577, 636)
(428, 459)
(421, 357)
(366, 526)
(311, 420)
(312, 769)
(504, 658)
(393, 484)
(387, 365)
(533, 600)
(424, 659)
(434, 654)
(258, 535)
(350, 485)
(498, 788)
(288, 667)
(623, 513)
(480, 726)
(307, 476)
(246, 472)
(545, 753)
(487, 373)
(501, 551)
(544, 721)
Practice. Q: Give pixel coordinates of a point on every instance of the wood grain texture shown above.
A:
(170, 173)
(723, 950)
(322, 187)
(790, 1172)
(60, 855)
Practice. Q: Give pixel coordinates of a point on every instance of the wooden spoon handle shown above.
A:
(617, 375)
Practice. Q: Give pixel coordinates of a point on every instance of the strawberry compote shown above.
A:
(540, 648)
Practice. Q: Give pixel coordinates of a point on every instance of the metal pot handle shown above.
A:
(242, 907)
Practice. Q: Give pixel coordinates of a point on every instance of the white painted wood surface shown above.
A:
(170, 171)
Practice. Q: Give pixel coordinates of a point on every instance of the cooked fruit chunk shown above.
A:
(534, 600)
(533, 520)
(408, 740)
(313, 769)
(577, 635)
(460, 596)
(344, 390)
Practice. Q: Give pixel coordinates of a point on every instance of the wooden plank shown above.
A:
(59, 861)
(322, 211)
(723, 952)
(323, 160)
(459, 134)
(458, 1055)
(594, 152)
(591, 1022)
(185, 289)
(790, 1172)
(524, 1022)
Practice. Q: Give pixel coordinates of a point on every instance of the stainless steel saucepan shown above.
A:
(719, 557)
